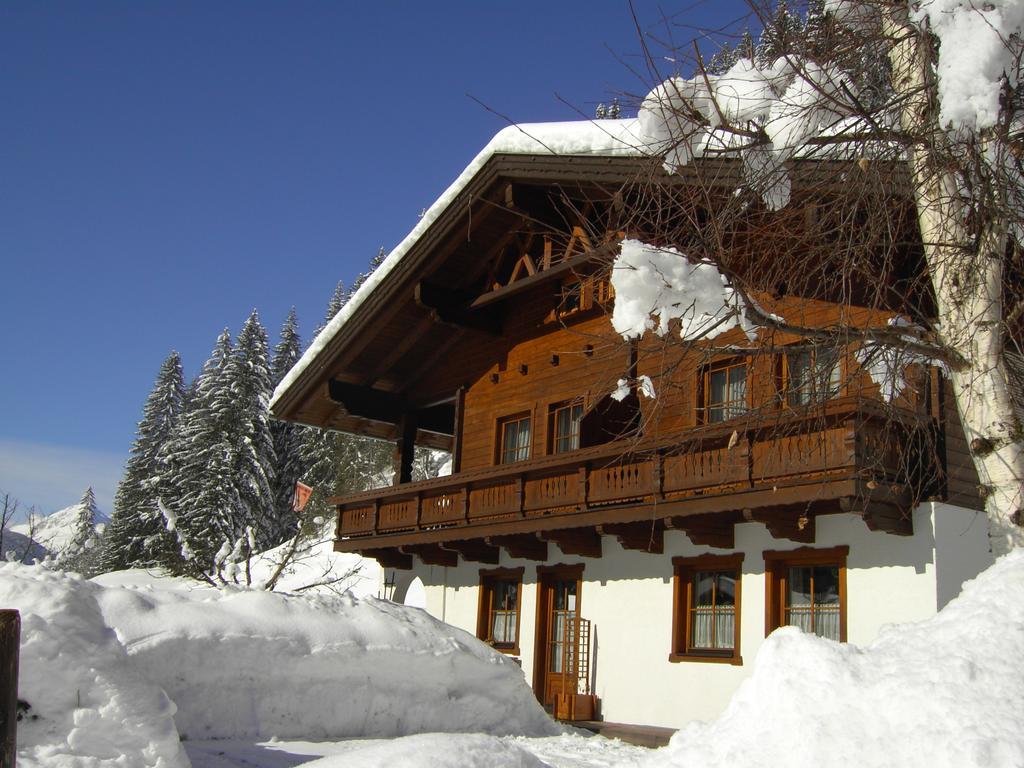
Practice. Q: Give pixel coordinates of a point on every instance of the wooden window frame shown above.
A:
(776, 564)
(499, 449)
(685, 568)
(488, 578)
(783, 376)
(553, 409)
(704, 388)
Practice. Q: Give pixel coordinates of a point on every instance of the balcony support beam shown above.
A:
(474, 550)
(709, 530)
(523, 546)
(389, 557)
(432, 554)
(643, 535)
(575, 541)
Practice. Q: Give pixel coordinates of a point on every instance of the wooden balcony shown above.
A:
(782, 471)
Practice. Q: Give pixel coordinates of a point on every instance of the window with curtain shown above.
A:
(514, 436)
(498, 622)
(807, 589)
(724, 389)
(707, 608)
(564, 424)
(811, 375)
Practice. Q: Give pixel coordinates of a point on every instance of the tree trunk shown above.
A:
(967, 275)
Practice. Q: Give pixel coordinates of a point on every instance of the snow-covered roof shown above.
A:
(590, 138)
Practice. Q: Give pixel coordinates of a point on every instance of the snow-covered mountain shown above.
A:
(53, 534)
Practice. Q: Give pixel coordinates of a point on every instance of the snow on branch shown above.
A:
(652, 282)
(765, 115)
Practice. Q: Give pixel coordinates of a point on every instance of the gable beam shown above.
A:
(606, 251)
(366, 402)
(450, 307)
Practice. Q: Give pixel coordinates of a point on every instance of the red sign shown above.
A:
(301, 497)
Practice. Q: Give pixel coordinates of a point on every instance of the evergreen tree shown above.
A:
(81, 552)
(136, 523)
(287, 438)
(249, 437)
(782, 36)
(196, 485)
(375, 262)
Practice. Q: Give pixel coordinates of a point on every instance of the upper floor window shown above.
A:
(724, 388)
(514, 439)
(564, 426)
(807, 589)
(811, 375)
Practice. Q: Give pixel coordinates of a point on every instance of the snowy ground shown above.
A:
(115, 671)
(567, 751)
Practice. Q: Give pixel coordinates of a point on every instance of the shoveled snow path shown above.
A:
(566, 751)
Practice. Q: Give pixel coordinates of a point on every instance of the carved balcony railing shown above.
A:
(758, 463)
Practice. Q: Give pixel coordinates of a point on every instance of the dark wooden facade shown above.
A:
(499, 311)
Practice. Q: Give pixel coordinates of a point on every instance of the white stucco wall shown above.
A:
(627, 596)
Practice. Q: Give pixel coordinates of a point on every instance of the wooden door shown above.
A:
(559, 604)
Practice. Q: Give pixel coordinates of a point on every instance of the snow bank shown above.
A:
(90, 708)
(255, 663)
(434, 750)
(942, 693)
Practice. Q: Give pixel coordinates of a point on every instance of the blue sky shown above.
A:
(167, 167)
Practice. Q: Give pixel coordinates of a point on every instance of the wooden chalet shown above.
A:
(606, 541)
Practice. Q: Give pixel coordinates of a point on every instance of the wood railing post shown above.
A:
(10, 644)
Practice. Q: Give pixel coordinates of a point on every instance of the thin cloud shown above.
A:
(50, 477)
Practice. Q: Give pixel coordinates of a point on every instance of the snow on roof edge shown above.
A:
(591, 137)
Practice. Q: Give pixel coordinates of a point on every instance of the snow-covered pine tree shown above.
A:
(287, 437)
(248, 434)
(375, 262)
(196, 483)
(135, 522)
(782, 35)
(81, 552)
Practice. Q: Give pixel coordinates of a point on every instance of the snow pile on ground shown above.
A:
(434, 750)
(251, 663)
(945, 692)
(315, 567)
(89, 707)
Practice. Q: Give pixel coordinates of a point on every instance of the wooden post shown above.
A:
(405, 448)
(10, 642)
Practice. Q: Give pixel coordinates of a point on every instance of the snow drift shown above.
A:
(433, 750)
(90, 708)
(260, 664)
(945, 692)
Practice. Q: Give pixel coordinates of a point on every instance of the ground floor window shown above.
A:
(500, 600)
(806, 588)
(706, 609)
